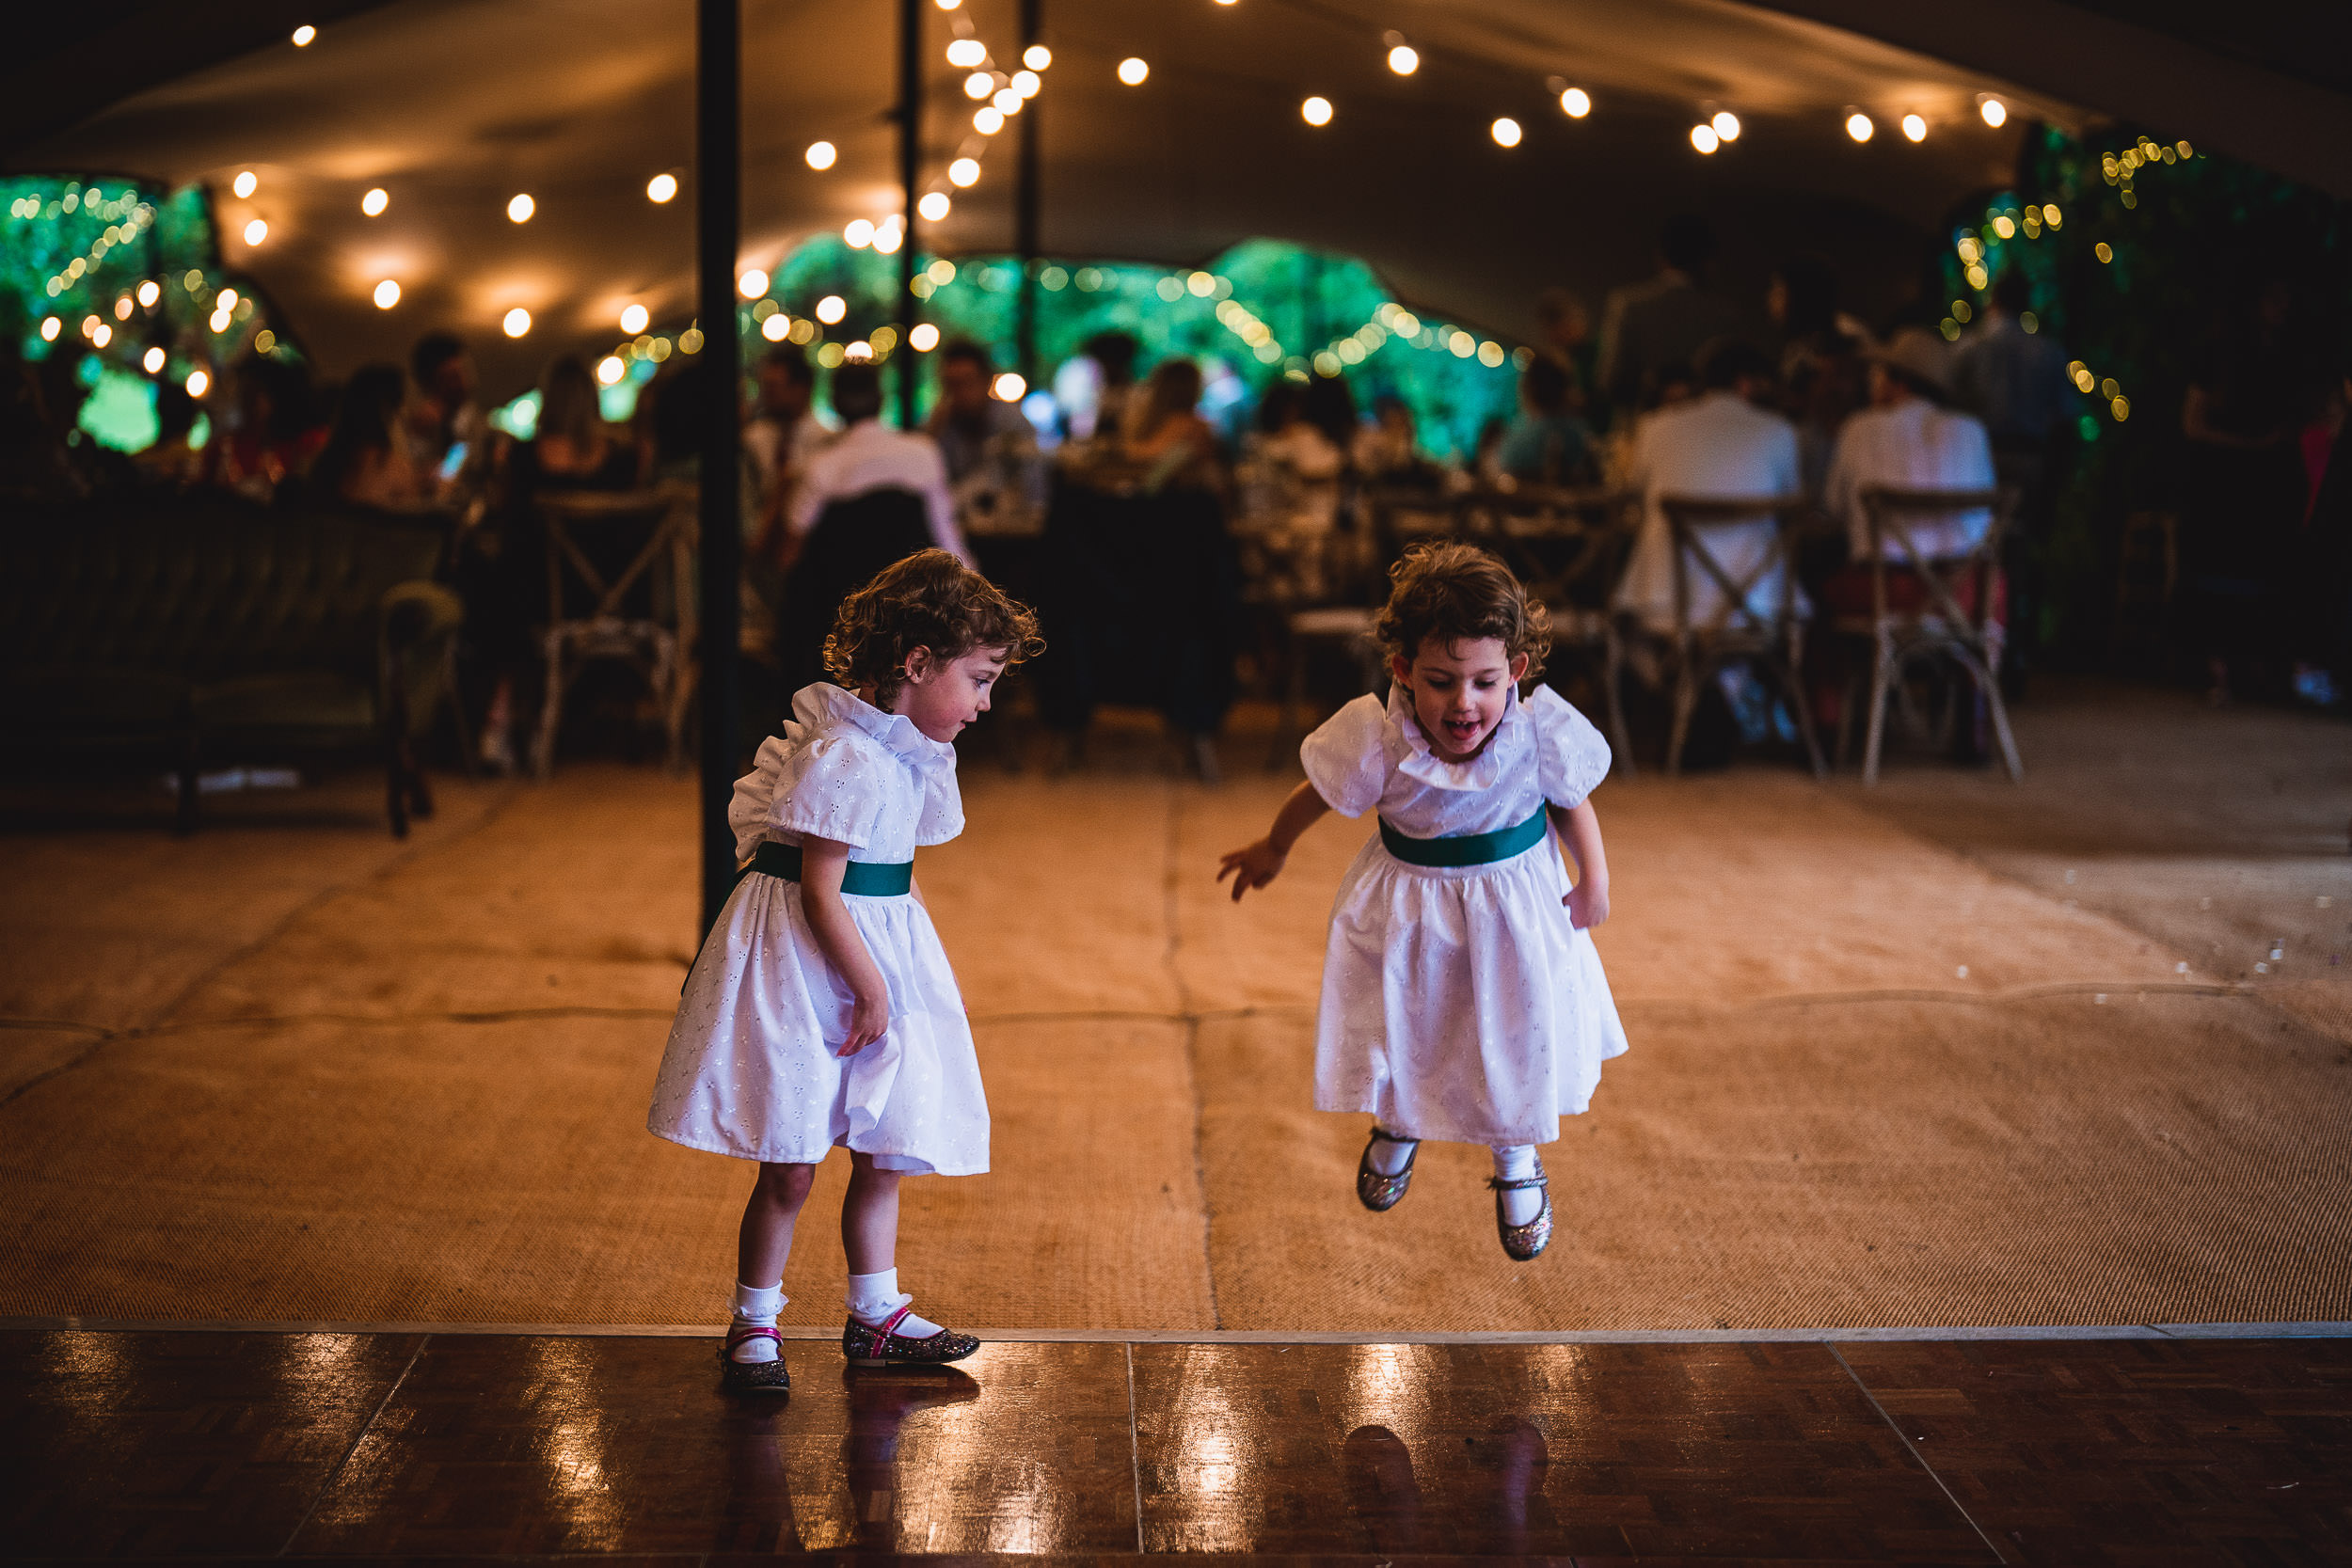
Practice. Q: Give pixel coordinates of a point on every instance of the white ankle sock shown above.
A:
(757, 1306)
(1389, 1158)
(1517, 1162)
(874, 1296)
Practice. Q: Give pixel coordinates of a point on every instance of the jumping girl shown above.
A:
(821, 1012)
(1462, 999)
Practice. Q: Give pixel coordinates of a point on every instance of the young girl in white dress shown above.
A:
(1462, 999)
(821, 1012)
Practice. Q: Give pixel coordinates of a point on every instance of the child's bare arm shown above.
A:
(1579, 829)
(823, 864)
(1253, 865)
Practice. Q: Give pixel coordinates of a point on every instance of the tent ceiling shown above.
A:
(455, 105)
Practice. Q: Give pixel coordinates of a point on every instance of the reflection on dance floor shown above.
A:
(375, 1445)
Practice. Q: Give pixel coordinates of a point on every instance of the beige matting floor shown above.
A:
(1953, 1053)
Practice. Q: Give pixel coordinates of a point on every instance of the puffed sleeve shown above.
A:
(828, 789)
(1347, 759)
(1571, 758)
(747, 813)
(942, 816)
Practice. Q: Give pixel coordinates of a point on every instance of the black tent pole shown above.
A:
(718, 203)
(910, 157)
(1026, 204)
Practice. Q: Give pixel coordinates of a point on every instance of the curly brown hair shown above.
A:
(1458, 593)
(929, 600)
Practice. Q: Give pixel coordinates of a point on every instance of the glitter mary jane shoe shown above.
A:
(1374, 1191)
(752, 1377)
(1523, 1241)
(879, 1345)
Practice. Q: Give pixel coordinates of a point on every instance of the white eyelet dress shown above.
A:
(749, 1069)
(1459, 1002)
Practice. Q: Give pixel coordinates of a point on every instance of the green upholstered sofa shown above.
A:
(183, 639)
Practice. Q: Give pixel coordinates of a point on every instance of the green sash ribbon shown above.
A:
(1466, 848)
(865, 878)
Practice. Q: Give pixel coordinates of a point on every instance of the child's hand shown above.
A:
(1252, 867)
(1588, 905)
(869, 1020)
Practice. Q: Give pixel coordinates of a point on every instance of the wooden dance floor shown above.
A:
(368, 1448)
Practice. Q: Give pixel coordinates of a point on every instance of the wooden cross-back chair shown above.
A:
(1771, 639)
(1957, 615)
(1569, 547)
(642, 613)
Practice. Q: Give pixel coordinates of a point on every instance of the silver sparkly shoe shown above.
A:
(1527, 1242)
(1380, 1192)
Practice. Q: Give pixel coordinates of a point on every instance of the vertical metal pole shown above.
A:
(910, 160)
(718, 214)
(1025, 220)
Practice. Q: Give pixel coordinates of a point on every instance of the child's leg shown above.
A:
(762, 1245)
(1517, 1162)
(869, 1237)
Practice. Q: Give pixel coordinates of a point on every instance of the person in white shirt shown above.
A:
(1906, 439)
(1720, 445)
(868, 455)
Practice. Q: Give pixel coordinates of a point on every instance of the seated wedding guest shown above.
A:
(1092, 389)
(1548, 444)
(868, 455)
(1721, 444)
(787, 429)
(1389, 449)
(994, 469)
(1647, 327)
(272, 432)
(1165, 432)
(447, 429)
(366, 461)
(572, 448)
(1821, 359)
(1909, 438)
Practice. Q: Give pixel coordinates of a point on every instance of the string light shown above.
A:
(660, 188)
(153, 361)
(821, 154)
(889, 237)
(610, 369)
(198, 384)
(1315, 111)
(50, 327)
(520, 208)
(1026, 83)
(1576, 103)
(518, 321)
(987, 119)
(1037, 56)
(244, 184)
(752, 283)
(963, 173)
(102, 335)
(923, 338)
(932, 206)
(1133, 69)
(256, 231)
(963, 54)
(1505, 132)
(1008, 388)
(387, 295)
(776, 327)
(1727, 125)
(1704, 138)
(227, 300)
(858, 233)
(634, 318)
(376, 202)
(122, 309)
(149, 291)
(1858, 126)
(1916, 127)
(1007, 100)
(303, 35)
(1994, 112)
(979, 85)
(831, 308)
